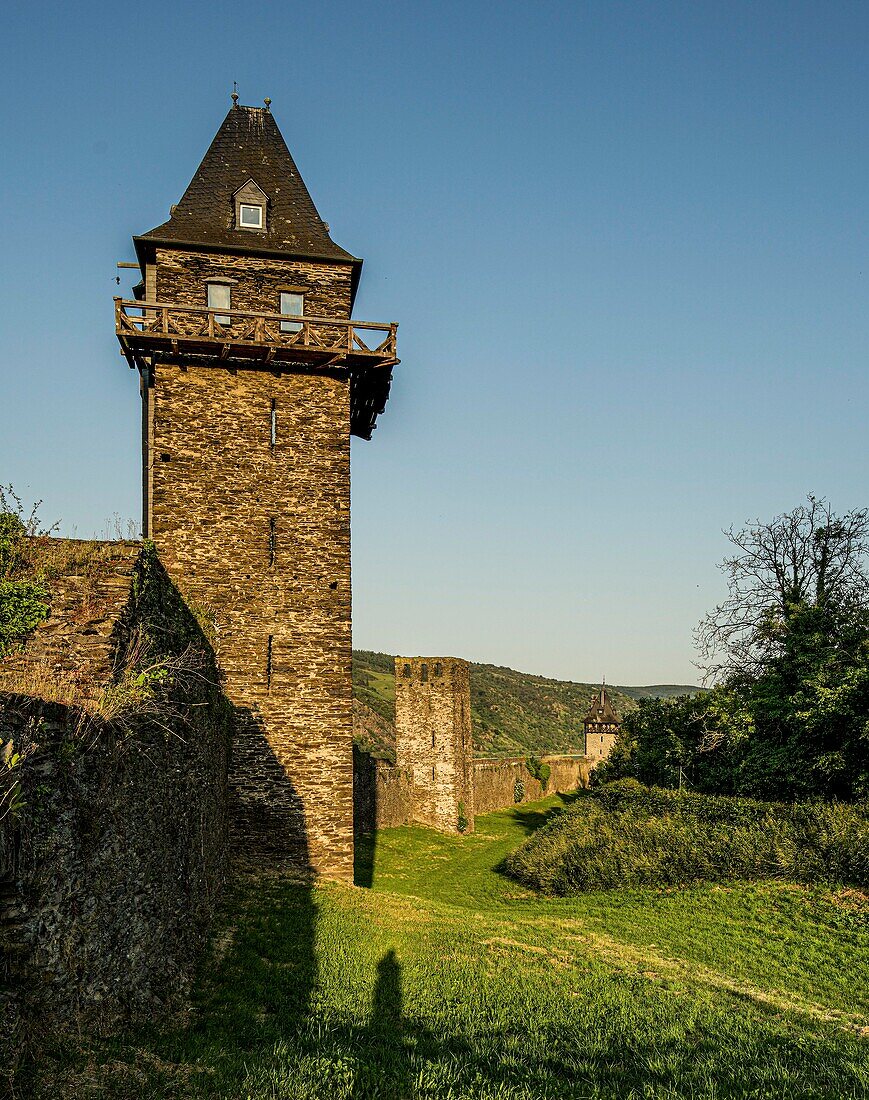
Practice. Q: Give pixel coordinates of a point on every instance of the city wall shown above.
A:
(383, 794)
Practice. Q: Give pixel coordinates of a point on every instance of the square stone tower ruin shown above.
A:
(253, 378)
(433, 738)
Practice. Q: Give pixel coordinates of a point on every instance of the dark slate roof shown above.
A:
(602, 711)
(248, 146)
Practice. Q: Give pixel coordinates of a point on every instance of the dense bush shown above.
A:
(625, 834)
(23, 594)
(539, 770)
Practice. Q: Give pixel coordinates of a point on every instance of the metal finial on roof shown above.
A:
(268, 103)
(234, 96)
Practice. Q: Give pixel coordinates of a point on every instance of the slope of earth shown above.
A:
(445, 981)
(512, 713)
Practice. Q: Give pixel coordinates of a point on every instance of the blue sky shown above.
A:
(625, 242)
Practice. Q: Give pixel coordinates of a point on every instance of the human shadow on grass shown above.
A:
(390, 1056)
(266, 1035)
(384, 1033)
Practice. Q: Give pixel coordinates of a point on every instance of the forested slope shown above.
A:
(512, 713)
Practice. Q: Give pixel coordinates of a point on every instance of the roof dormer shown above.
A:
(251, 204)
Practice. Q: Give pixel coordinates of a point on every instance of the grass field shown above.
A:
(444, 979)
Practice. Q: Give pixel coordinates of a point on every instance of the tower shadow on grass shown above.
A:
(364, 817)
(270, 856)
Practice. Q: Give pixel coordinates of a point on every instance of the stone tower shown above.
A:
(601, 727)
(253, 378)
(433, 738)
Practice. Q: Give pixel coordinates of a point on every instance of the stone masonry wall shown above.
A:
(383, 794)
(255, 527)
(599, 742)
(256, 281)
(495, 780)
(433, 738)
(111, 866)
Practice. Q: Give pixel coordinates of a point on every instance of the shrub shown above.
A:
(519, 790)
(462, 822)
(539, 770)
(23, 594)
(625, 834)
(23, 606)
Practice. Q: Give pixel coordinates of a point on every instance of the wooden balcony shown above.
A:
(151, 332)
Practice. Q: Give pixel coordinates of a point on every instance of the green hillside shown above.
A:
(512, 713)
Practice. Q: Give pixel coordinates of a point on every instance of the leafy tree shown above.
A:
(789, 647)
(801, 578)
(695, 739)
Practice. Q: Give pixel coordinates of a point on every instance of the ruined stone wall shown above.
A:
(495, 780)
(433, 737)
(249, 499)
(88, 599)
(111, 864)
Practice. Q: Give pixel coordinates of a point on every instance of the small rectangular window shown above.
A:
(292, 305)
(250, 216)
(273, 430)
(269, 663)
(219, 297)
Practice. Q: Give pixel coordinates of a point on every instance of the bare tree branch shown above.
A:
(806, 558)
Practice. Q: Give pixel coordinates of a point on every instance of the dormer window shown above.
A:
(250, 216)
(250, 207)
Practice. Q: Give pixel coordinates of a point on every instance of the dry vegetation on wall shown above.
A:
(80, 655)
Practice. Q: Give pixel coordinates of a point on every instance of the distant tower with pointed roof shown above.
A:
(601, 727)
(253, 378)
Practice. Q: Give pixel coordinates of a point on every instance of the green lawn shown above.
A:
(445, 979)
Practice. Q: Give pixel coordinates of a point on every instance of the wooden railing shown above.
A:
(143, 326)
